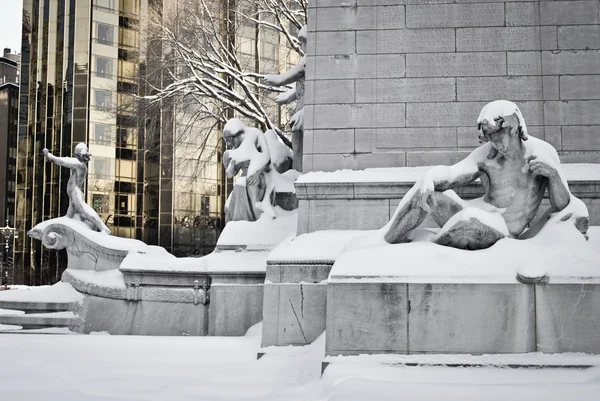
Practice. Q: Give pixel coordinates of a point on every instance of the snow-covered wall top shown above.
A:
(573, 172)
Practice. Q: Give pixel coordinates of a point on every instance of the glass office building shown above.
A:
(81, 67)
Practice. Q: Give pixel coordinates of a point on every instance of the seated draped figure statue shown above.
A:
(515, 170)
(78, 166)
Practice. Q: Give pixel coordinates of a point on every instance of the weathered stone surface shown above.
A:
(387, 2)
(331, 43)
(553, 135)
(580, 87)
(332, 162)
(430, 158)
(405, 41)
(364, 214)
(572, 113)
(524, 63)
(568, 318)
(548, 38)
(332, 91)
(581, 157)
(455, 64)
(405, 90)
(471, 318)
(522, 14)
(568, 12)
(366, 318)
(442, 114)
(497, 39)
(579, 37)
(293, 314)
(234, 308)
(571, 62)
(334, 141)
(550, 85)
(454, 15)
(360, 18)
(360, 115)
(581, 137)
(400, 138)
(359, 66)
(492, 88)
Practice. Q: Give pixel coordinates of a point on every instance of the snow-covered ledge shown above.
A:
(366, 199)
(86, 249)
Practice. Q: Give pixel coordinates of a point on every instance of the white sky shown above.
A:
(10, 24)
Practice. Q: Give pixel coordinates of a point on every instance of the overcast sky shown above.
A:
(10, 24)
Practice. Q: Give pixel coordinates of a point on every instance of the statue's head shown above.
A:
(302, 34)
(498, 122)
(82, 153)
(233, 133)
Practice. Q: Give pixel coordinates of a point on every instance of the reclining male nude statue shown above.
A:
(515, 170)
(77, 206)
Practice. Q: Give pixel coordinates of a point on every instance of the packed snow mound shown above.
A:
(59, 292)
(559, 252)
(279, 152)
(265, 233)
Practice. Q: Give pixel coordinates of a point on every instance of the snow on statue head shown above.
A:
(233, 133)
(82, 153)
(498, 115)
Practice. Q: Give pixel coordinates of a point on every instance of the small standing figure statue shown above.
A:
(264, 163)
(77, 206)
(295, 74)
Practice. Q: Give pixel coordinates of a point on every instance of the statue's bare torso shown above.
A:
(510, 185)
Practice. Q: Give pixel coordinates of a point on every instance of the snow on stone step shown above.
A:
(41, 320)
(56, 298)
(47, 330)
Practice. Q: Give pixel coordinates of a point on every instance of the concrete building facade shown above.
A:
(401, 83)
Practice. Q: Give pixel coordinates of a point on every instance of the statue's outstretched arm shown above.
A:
(69, 162)
(287, 97)
(290, 76)
(467, 170)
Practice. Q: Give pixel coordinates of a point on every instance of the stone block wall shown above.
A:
(395, 83)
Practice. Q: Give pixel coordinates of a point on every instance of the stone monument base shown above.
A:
(128, 287)
(519, 296)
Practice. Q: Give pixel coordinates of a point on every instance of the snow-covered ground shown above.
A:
(103, 367)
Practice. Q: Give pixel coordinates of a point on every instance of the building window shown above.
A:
(99, 166)
(104, 67)
(101, 133)
(100, 203)
(110, 4)
(103, 99)
(105, 34)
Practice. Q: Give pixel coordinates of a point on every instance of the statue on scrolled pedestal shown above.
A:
(78, 209)
(515, 170)
(295, 74)
(267, 179)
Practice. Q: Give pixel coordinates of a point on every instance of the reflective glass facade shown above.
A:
(80, 68)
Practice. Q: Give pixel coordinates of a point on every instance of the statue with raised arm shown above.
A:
(515, 170)
(295, 74)
(264, 163)
(77, 206)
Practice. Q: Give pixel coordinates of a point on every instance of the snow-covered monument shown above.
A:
(495, 251)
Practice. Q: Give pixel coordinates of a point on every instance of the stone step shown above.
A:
(41, 320)
(38, 307)
(48, 330)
